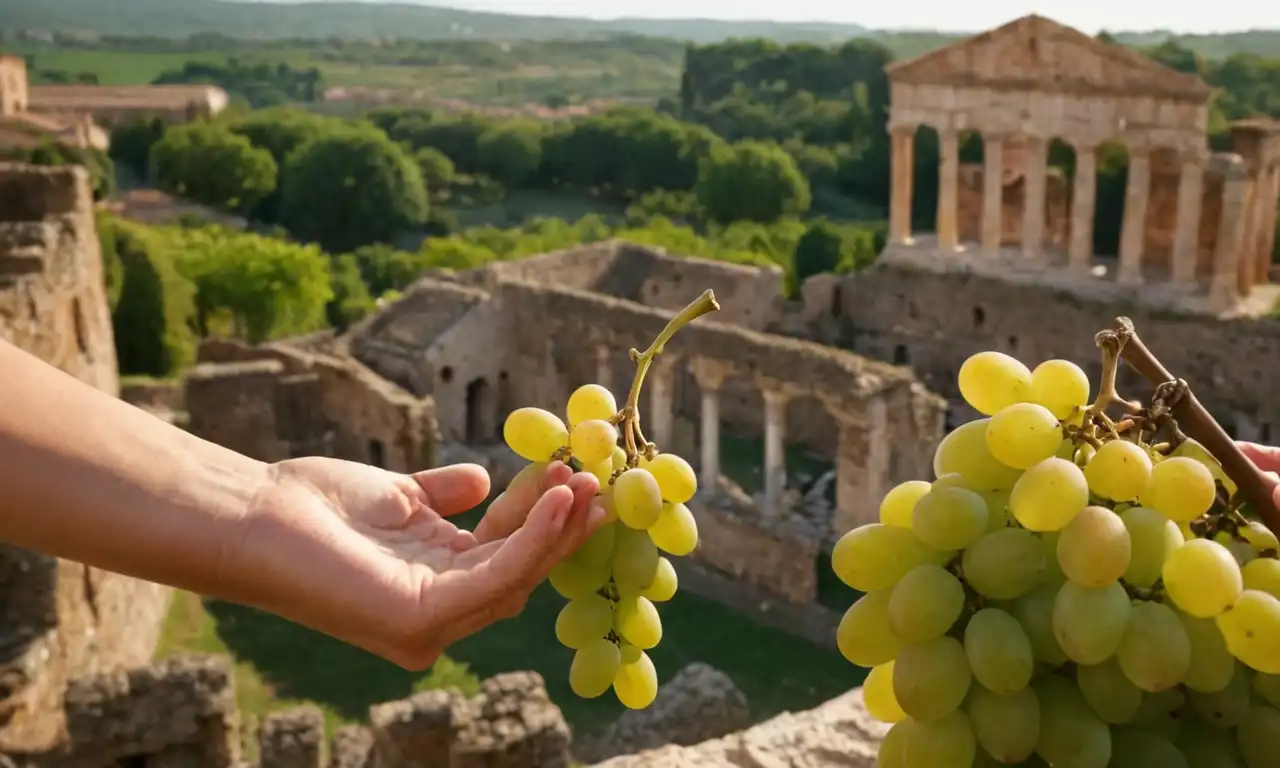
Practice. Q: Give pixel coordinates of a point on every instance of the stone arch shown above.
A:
(481, 411)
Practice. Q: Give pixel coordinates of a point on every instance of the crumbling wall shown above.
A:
(273, 402)
(60, 619)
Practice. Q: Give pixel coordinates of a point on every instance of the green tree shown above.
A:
(280, 131)
(351, 301)
(209, 164)
(268, 287)
(153, 314)
(351, 188)
(820, 250)
(509, 152)
(131, 144)
(437, 169)
(751, 180)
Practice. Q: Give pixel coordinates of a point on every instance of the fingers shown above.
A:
(454, 489)
(509, 511)
(1266, 457)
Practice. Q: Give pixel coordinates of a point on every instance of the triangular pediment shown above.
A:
(1036, 53)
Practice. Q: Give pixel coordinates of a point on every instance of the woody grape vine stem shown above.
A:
(628, 419)
(1196, 421)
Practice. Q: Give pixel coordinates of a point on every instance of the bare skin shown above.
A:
(1267, 459)
(360, 553)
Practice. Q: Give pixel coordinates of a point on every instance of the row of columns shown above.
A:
(854, 494)
(1083, 204)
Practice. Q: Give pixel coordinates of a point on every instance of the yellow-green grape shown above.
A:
(1089, 622)
(947, 742)
(1135, 747)
(602, 470)
(1227, 707)
(574, 579)
(605, 500)
(637, 498)
(1212, 664)
(1049, 495)
(1180, 488)
(990, 381)
(590, 401)
(584, 621)
(1263, 575)
(1268, 687)
(997, 509)
(1206, 747)
(619, 458)
(892, 752)
(637, 622)
(1259, 737)
(925, 603)
(875, 556)
(1034, 611)
(635, 560)
(949, 518)
(1155, 652)
(999, 651)
(1111, 695)
(1193, 450)
(592, 442)
(636, 684)
(1152, 538)
(1240, 549)
(1093, 549)
(594, 667)
(675, 531)
(864, 636)
(1259, 536)
(531, 473)
(534, 434)
(676, 479)
(1061, 386)
(1252, 631)
(931, 679)
(1118, 471)
(898, 503)
(630, 653)
(1162, 712)
(1052, 568)
(665, 583)
(964, 452)
(1004, 564)
(1007, 726)
(1071, 734)
(950, 480)
(877, 694)
(1202, 578)
(1023, 434)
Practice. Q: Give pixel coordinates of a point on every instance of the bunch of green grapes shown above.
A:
(614, 581)
(1051, 599)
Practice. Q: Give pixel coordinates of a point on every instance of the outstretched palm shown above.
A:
(369, 556)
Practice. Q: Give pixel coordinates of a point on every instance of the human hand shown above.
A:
(369, 556)
(1265, 458)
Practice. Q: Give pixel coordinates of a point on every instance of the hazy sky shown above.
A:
(1086, 15)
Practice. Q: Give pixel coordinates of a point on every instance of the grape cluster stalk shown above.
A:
(1081, 585)
(614, 580)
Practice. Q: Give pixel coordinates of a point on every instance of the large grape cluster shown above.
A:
(1066, 592)
(615, 579)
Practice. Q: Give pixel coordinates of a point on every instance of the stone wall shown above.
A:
(273, 403)
(59, 619)
(1228, 362)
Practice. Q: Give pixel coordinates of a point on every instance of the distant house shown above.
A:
(115, 104)
(21, 128)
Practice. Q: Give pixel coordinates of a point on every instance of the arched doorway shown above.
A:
(481, 410)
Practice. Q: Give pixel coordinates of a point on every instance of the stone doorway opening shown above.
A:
(481, 411)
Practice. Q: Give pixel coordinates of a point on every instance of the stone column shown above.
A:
(1249, 236)
(775, 456)
(710, 379)
(1267, 227)
(948, 180)
(862, 466)
(1084, 201)
(1133, 233)
(1033, 200)
(902, 140)
(604, 367)
(1224, 291)
(1186, 237)
(661, 383)
(992, 194)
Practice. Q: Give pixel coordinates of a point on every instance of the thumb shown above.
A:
(1265, 457)
(507, 564)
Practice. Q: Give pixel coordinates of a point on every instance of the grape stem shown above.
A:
(1194, 419)
(629, 417)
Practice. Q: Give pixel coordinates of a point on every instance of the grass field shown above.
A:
(280, 664)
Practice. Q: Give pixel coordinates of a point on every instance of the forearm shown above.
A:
(90, 478)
